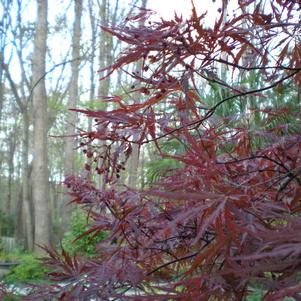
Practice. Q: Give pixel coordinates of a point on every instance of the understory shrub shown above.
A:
(75, 242)
(29, 270)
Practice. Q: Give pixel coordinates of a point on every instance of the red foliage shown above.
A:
(230, 217)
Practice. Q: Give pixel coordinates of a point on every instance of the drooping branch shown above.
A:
(196, 123)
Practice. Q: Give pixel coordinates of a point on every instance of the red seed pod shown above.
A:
(145, 91)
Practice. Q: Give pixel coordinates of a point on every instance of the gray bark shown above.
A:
(133, 163)
(72, 101)
(105, 49)
(40, 166)
(5, 21)
(11, 168)
(92, 60)
(26, 204)
(105, 58)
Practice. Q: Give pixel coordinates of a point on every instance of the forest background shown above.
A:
(31, 132)
(76, 49)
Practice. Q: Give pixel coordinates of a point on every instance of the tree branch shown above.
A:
(211, 111)
(12, 85)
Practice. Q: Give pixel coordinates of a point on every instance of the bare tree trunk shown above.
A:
(93, 28)
(224, 55)
(1, 91)
(133, 164)
(72, 101)
(105, 57)
(248, 60)
(40, 168)
(105, 49)
(92, 62)
(11, 170)
(5, 23)
(26, 204)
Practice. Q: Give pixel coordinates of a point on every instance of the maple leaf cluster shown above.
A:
(229, 217)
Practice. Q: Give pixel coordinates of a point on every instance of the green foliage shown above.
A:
(93, 105)
(55, 105)
(159, 167)
(256, 295)
(29, 270)
(6, 224)
(4, 257)
(12, 297)
(85, 245)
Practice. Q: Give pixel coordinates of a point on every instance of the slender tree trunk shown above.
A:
(1, 91)
(5, 22)
(250, 106)
(93, 28)
(224, 55)
(11, 169)
(72, 101)
(133, 164)
(26, 204)
(40, 168)
(105, 57)
(19, 221)
(105, 49)
(93, 50)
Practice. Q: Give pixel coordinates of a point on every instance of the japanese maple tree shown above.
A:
(228, 217)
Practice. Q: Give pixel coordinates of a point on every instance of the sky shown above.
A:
(166, 8)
